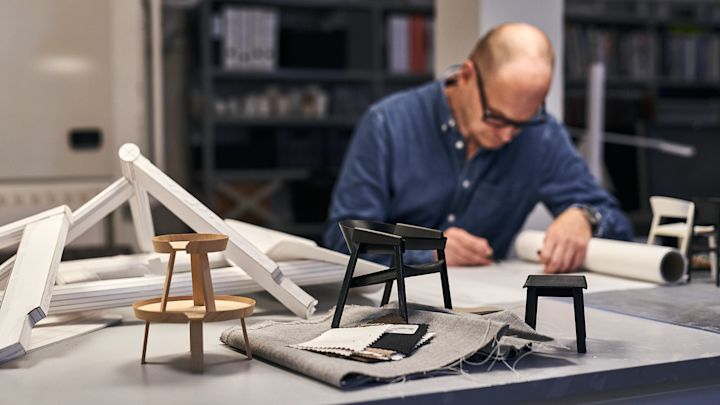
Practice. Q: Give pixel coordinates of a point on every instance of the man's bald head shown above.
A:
(512, 44)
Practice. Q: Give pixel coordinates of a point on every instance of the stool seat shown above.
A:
(391, 239)
(557, 286)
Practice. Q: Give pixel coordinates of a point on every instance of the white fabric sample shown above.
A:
(344, 341)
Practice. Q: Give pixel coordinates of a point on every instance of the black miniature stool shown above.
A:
(557, 286)
(377, 237)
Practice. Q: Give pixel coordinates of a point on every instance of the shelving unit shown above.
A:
(660, 63)
(277, 169)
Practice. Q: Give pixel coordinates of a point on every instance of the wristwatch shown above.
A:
(592, 215)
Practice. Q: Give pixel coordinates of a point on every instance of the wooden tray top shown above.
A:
(181, 309)
(190, 242)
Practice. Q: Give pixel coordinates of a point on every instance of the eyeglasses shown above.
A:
(497, 120)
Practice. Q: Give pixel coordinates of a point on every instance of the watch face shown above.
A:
(592, 214)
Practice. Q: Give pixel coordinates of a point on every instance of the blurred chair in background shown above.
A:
(688, 227)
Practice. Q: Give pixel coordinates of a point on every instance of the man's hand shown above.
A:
(566, 242)
(465, 249)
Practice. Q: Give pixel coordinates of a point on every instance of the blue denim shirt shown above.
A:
(407, 163)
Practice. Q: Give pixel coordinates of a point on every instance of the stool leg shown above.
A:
(345, 286)
(145, 339)
(248, 352)
(579, 319)
(196, 346)
(168, 278)
(402, 302)
(531, 307)
(386, 293)
(444, 279)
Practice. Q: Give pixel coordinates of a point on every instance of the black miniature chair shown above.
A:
(381, 238)
(557, 286)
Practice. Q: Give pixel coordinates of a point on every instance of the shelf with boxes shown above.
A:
(283, 84)
(663, 79)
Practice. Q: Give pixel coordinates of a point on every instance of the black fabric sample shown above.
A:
(401, 343)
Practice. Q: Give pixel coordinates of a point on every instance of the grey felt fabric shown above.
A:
(695, 305)
(458, 337)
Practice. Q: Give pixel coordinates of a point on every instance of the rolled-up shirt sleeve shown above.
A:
(566, 180)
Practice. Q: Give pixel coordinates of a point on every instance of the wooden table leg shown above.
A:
(147, 329)
(168, 278)
(196, 346)
(248, 352)
(198, 281)
(207, 287)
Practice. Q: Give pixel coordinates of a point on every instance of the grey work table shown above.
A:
(627, 358)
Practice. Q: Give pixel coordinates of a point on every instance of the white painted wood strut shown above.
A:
(197, 216)
(42, 238)
(29, 289)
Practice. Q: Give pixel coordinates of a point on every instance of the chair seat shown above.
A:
(703, 229)
(678, 229)
(393, 239)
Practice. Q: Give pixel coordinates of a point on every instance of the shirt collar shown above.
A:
(444, 114)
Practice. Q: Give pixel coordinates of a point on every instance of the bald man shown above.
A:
(472, 154)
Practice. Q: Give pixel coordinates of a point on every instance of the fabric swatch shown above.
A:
(344, 341)
(401, 343)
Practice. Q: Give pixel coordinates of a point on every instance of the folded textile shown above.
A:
(457, 337)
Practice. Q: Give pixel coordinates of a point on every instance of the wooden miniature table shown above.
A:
(203, 305)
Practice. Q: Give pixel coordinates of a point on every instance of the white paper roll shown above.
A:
(657, 264)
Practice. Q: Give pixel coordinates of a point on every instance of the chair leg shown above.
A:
(531, 307)
(345, 287)
(714, 257)
(688, 257)
(444, 279)
(579, 319)
(402, 302)
(386, 293)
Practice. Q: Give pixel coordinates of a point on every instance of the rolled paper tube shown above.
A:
(657, 264)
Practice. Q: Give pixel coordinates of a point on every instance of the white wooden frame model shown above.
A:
(42, 238)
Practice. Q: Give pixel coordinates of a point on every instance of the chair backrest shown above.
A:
(707, 211)
(348, 226)
(667, 207)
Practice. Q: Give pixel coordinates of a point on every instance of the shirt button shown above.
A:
(466, 183)
(451, 218)
(459, 145)
(451, 123)
(444, 127)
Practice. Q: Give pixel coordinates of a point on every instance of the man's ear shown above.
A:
(467, 70)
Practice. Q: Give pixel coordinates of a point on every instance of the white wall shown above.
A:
(459, 24)
(63, 65)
